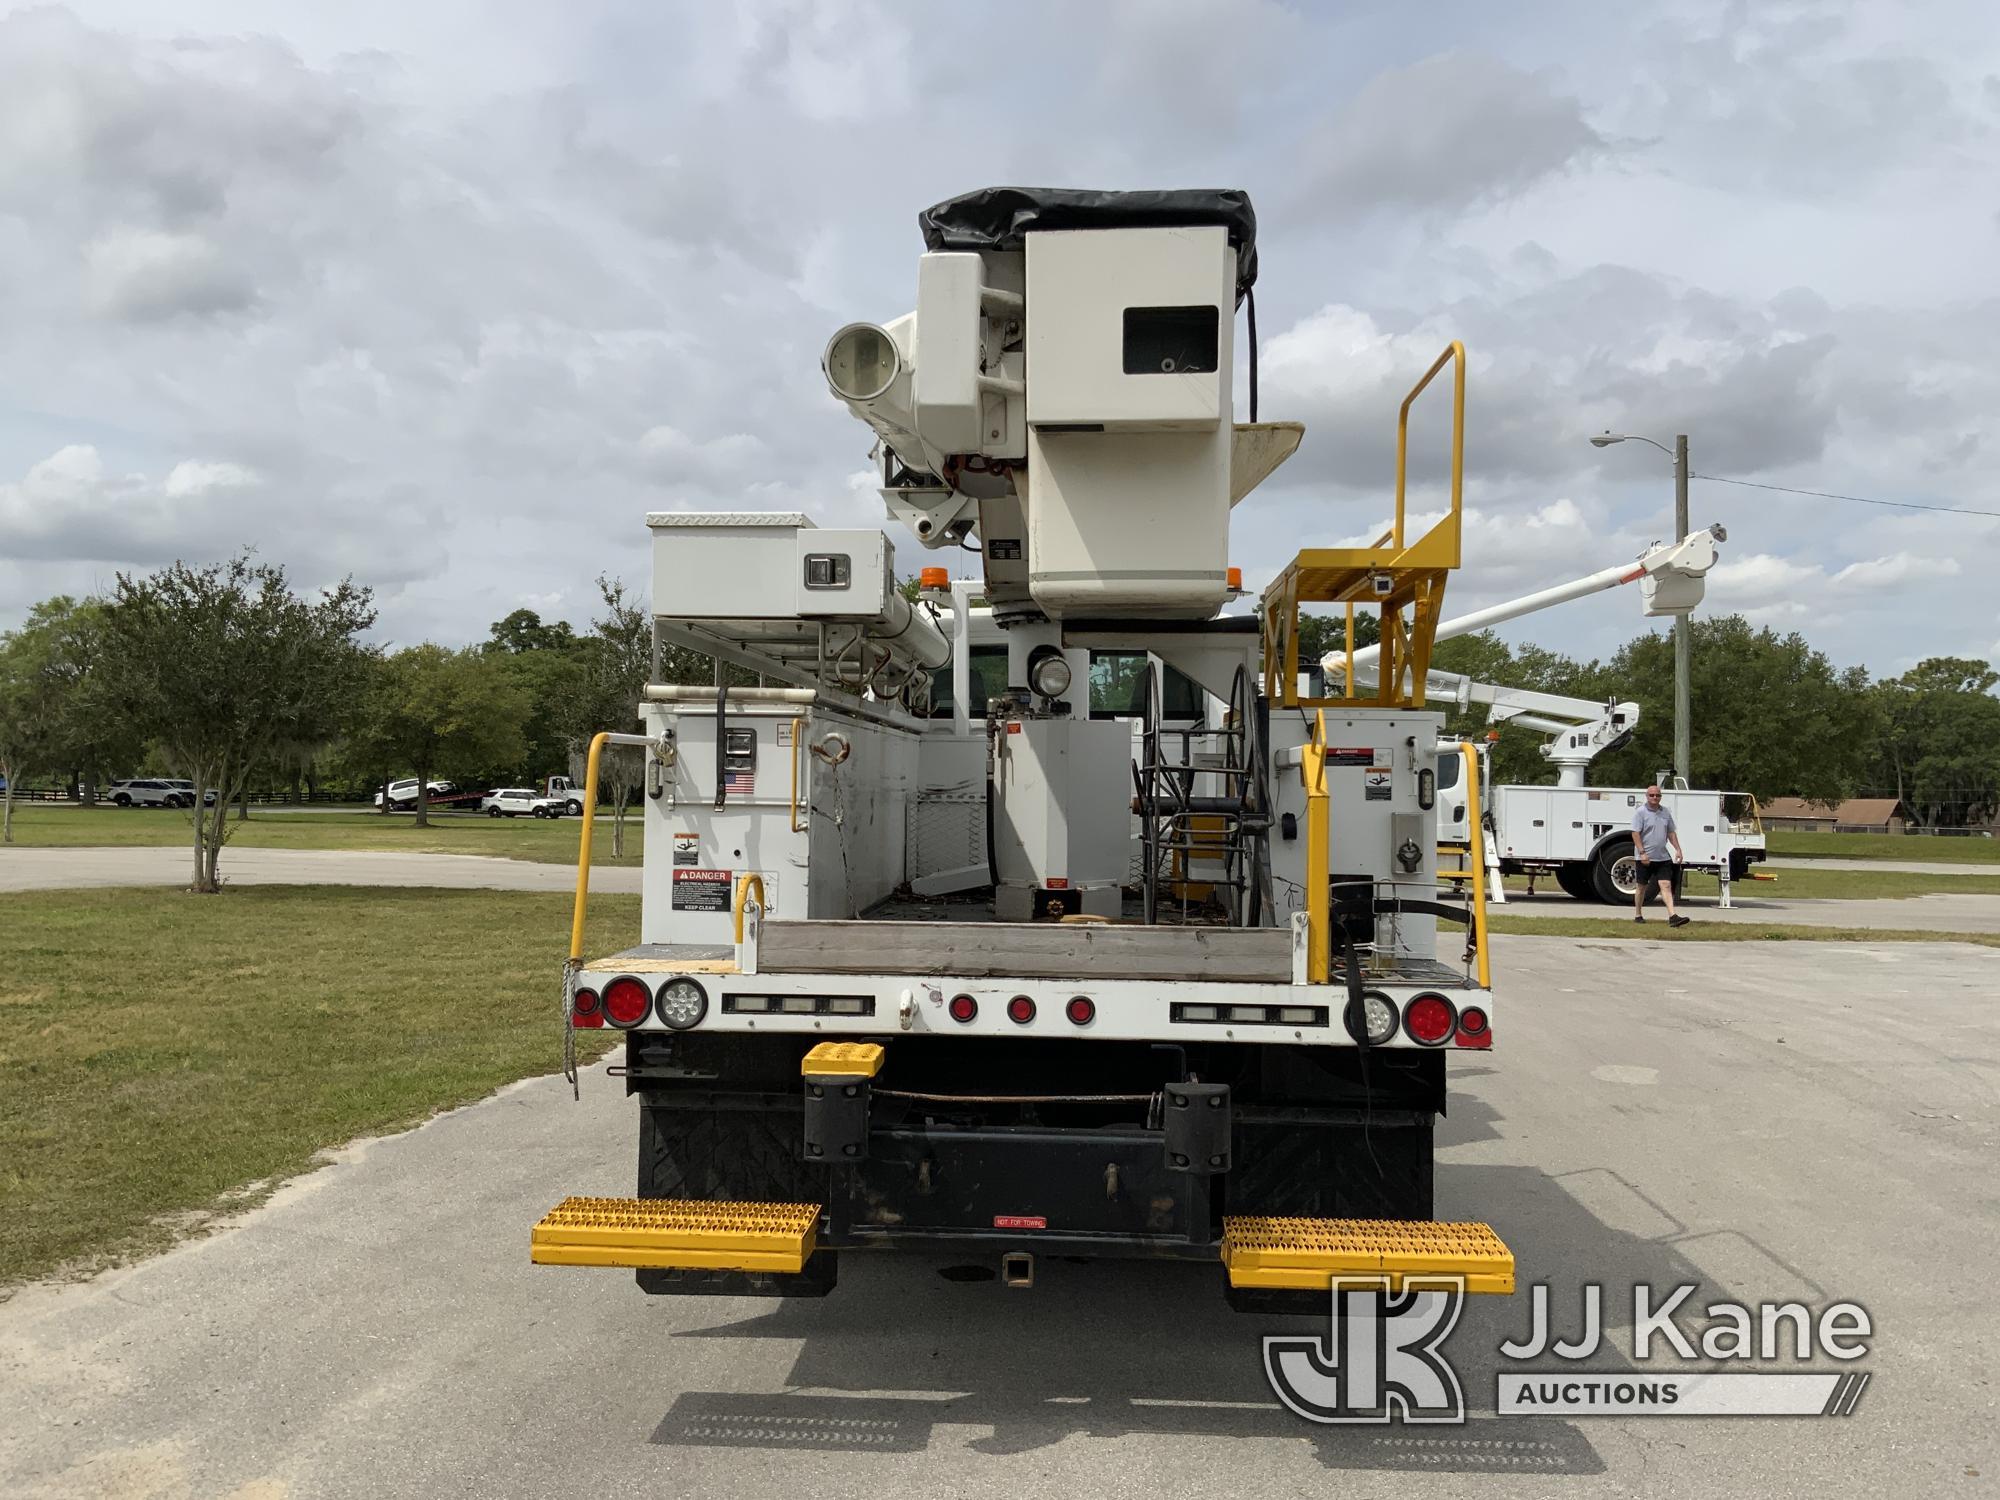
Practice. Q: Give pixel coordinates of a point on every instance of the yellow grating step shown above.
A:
(1303, 1254)
(673, 1233)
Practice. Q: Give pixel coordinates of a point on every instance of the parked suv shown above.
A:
(512, 801)
(151, 792)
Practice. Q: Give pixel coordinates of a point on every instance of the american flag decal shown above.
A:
(739, 783)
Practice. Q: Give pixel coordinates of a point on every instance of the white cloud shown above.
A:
(451, 304)
(1892, 573)
(143, 274)
(195, 477)
(1443, 133)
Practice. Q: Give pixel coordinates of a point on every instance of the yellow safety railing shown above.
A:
(1319, 917)
(1477, 857)
(1394, 574)
(744, 885)
(798, 743)
(1454, 355)
(596, 753)
(597, 744)
(1319, 921)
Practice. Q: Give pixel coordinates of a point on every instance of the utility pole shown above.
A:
(1683, 640)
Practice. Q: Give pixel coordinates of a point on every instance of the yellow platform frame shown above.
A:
(1396, 575)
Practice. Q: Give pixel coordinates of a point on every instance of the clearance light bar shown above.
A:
(798, 1005)
(1250, 1015)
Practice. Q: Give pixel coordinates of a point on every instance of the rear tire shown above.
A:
(1574, 878)
(1615, 876)
(493, 812)
(717, 1155)
(123, 799)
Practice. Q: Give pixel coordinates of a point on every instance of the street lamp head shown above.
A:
(1606, 439)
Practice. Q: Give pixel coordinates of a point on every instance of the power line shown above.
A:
(1950, 510)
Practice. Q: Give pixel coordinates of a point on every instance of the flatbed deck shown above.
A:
(962, 940)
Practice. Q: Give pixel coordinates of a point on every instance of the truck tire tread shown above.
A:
(721, 1155)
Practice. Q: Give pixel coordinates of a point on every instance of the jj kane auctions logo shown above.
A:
(1382, 1358)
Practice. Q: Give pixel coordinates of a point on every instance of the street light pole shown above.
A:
(1683, 639)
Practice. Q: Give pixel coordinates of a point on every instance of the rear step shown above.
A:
(674, 1234)
(1263, 1254)
(1304, 1254)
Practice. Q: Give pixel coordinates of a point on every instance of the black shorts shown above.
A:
(1661, 872)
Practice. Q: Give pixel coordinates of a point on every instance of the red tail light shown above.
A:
(585, 1009)
(1474, 1030)
(627, 1001)
(1081, 1010)
(1020, 1010)
(963, 1008)
(1429, 1020)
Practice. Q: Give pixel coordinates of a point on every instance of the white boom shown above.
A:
(1580, 729)
(1670, 573)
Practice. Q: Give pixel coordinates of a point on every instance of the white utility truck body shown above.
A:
(898, 984)
(1578, 834)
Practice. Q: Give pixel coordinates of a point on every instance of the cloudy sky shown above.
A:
(449, 295)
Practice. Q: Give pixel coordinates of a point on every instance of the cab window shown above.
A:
(988, 666)
(1118, 687)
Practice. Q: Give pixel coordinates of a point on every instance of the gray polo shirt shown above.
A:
(1650, 827)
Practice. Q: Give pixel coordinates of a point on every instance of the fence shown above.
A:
(256, 799)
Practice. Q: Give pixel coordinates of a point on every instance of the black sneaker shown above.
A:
(1640, 918)
(1677, 920)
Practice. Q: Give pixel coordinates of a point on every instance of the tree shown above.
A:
(617, 662)
(1772, 716)
(439, 711)
(1940, 740)
(523, 630)
(221, 664)
(1321, 633)
(78, 736)
(27, 714)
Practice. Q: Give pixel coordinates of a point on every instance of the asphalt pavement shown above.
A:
(1775, 1121)
(1942, 911)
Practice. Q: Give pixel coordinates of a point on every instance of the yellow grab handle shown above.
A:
(744, 885)
(583, 853)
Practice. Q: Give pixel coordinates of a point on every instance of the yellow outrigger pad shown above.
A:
(842, 1060)
(676, 1234)
(1304, 1254)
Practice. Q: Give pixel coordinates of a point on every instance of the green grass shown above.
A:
(1822, 885)
(1724, 932)
(165, 1055)
(543, 840)
(1921, 850)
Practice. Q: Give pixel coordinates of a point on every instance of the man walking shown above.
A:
(1653, 832)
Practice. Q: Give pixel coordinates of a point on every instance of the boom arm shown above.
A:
(1671, 575)
(1580, 729)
